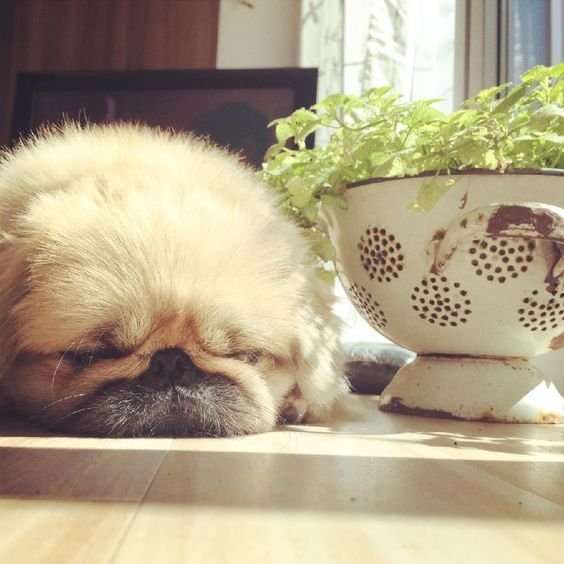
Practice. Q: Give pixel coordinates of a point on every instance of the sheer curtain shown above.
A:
(358, 44)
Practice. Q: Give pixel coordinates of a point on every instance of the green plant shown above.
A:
(376, 135)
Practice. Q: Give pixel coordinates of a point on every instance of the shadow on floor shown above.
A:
(282, 481)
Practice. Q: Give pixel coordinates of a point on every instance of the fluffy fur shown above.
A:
(117, 243)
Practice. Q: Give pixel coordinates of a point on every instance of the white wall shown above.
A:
(263, 36)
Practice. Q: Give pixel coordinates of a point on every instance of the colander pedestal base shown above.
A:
(472, 388)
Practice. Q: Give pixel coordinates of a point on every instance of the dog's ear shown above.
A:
(317, 354)
(12, 288)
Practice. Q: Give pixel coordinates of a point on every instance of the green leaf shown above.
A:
(310, 212)
(303, 133)
(338, 201)
(511, 99)
(423, 113)
(300, 190)
(303, 115)
(327, 276)
(556, 71)
(473, 153)
(322, 246)
(283, 132)
(541, 118)
(272, 151)
(301, 200)
(554, 138)
(381, 164)
(331, 103)
(430, 192)
(536, 74)
(485, 96)
(490, 160)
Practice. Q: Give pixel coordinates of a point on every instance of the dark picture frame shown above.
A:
(232, 107)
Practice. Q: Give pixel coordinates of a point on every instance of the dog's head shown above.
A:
(151, 287)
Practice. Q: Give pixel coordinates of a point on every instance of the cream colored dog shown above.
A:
(150, 286)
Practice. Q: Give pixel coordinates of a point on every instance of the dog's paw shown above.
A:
(293, 409)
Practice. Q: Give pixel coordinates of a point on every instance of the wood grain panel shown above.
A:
(65, 35)
(7, 11)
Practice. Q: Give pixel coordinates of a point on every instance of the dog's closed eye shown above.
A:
(250, 357)
(83, 358)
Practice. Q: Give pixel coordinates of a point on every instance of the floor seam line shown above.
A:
(138, 508)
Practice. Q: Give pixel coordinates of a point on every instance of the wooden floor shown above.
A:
(370, 487)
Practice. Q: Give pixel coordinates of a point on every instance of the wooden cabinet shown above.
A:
(66, 35)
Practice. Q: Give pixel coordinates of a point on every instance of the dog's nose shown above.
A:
(170, 366)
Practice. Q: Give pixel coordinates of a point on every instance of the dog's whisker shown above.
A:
(77, 348)
(102, 333)
(52, 403)
(57, 368)
(75, 412)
